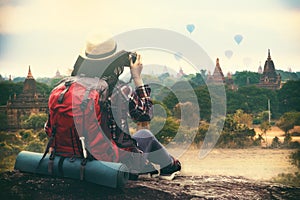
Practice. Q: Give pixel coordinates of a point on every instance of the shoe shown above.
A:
(133, 177)
(175, 166)
(149, 169)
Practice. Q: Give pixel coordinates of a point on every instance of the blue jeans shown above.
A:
(153, 150)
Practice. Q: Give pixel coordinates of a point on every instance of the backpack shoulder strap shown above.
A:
(62, 94)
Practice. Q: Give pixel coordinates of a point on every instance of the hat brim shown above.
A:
(109, 55)
(100, 67)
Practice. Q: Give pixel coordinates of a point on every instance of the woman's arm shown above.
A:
(140, 104)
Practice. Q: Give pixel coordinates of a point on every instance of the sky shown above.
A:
(48, 35)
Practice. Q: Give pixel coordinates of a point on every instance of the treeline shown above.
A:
(251, 99)
(10, 88)
(12, 143)
(244, 107)
(172, 95)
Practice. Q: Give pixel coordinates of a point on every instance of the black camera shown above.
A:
(132, 56)
(122, 59)
(104, 67)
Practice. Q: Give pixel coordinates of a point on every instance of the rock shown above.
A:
(16, 185)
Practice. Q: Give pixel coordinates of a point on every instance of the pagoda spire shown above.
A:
(217, 64)
(218, 75)
(269, 54)
(29, 75)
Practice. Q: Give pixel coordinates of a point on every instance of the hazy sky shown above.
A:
(49, 34)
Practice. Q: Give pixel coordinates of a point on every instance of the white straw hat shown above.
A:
(99, 57)
(99, 46)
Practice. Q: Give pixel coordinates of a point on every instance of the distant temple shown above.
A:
(58, 75)
(217, 77)
(269, 78)
(229, 82)
(26, 103)
(180, 73)
(259, 69)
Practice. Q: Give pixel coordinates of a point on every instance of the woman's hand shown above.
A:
(136, 70)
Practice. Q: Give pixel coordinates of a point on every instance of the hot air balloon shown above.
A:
(190, 28)
(178, 56)
(238, 38)
(228, 54)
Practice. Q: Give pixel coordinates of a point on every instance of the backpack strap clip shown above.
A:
(82, 168)
(51, 162)
(62, 94)
(52, 138)
(85, 100)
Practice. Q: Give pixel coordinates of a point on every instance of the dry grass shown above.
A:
(252, 163)
(275, 131)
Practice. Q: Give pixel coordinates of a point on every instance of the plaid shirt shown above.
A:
(140, 104)
(139, 109)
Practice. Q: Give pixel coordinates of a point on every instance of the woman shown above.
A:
(112, 104)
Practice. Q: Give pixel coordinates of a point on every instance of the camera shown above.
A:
(104, 67)
(132, 56)
(122, 59)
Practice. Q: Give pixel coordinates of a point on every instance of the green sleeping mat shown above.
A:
(108, 174)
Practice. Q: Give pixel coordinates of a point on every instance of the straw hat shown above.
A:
(99, 57)
(99, 47)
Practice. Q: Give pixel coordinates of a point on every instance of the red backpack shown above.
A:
(75, 120)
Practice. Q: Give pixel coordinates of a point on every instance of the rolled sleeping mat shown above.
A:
(108, 174)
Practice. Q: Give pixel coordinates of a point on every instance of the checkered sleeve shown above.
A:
(140, 104)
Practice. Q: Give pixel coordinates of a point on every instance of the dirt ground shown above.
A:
(16, 185)
(222, 174)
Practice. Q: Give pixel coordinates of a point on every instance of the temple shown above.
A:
(180, 73)
(259, 69)
(217, 77)
(269, 78)
(26, 103)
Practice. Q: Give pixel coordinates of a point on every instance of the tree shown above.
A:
(185, 112)
(199, 79)
(264, 127)
(287, 140)
(3, 121)
(295, 158)
(170, 100)
(246, 78)
(204, 102)
(287, 121)
(261, 117)
(235, 134)
(43, 88)
(168, 131)
(243, 118)
(8, 89)
(289, 97)
(275, 142)
(252, 99)
(202, 130)
(286, 76)
(54, 82)
(35, 121)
